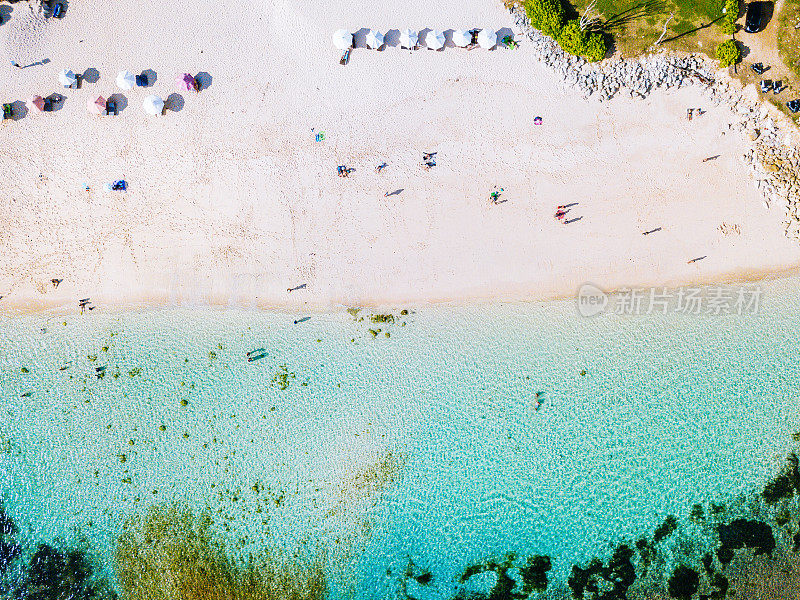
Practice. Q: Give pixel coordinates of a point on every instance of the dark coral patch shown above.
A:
(742, 533)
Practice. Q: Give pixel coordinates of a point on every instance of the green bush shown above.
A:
(595, 47)
(728, 27)
(572, 38)
(546, 15)
(731, 10)
(728, 53)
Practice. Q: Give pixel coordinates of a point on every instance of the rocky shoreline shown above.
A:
(774, 163)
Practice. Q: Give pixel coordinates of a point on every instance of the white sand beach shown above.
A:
(231, 199)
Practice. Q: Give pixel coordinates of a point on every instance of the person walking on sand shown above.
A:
(495, 195)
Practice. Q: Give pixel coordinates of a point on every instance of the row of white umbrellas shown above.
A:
(152, 105)
(125, 80)
(434, 39)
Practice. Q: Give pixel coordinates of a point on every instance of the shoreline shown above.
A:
(147, 301)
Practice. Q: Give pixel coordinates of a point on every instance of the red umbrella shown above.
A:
(186, 82)
(36, 104)
(96, 105)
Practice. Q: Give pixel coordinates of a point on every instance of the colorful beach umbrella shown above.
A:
(408, 38)
(35, 104)
(153, 105)
(67, 78)
(462, 38)
(96, 105)
(487, 38)
(186, 82)
(374, 39)
(126, 80)
(434, 40)
(343, 39)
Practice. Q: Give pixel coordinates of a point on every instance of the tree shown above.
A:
(546, 15)
(595, 47)
(731, 10)
(572, 38)
(728, 53)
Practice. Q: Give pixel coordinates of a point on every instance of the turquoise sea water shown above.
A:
(641, 417)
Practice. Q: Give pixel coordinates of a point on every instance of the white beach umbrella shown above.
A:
(126, 80)
(408, 38)
(487, 38)
(153, 105)
(67, 78)
(342, 39)
(434, 39)
(374, 39)
(462, 38)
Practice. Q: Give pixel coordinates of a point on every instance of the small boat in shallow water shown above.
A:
(256, 354)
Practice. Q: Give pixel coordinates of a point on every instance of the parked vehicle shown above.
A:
(766, 85)
(793, 105)
(755, 17)
(759, 68)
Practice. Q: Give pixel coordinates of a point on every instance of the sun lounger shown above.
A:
(345, 57)
(8, 111)
(48, 104)
(58, 10)
(111, 107)
(141, 80)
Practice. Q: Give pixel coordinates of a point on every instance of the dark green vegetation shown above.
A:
(532, 577)
(388, 320)
(785, 484)
(283, 377)
(728, 53)
(51, 574)
(551, 18)
(605, 582)
(684, 583)
(634, 26)
(742, 533)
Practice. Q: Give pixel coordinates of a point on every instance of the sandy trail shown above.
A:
(231, 200)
